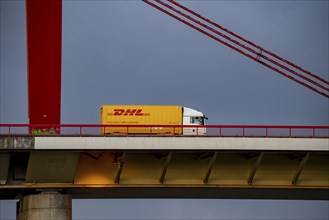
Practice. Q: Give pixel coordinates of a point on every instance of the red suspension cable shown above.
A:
(259, 54)
(249, 42)
(241, 45)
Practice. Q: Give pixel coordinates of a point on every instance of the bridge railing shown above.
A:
(164, 130)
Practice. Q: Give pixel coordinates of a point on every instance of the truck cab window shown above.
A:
(197, 120)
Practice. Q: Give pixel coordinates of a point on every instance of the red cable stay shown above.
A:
(243, 46)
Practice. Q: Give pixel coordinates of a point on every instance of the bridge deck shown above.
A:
(166, 167)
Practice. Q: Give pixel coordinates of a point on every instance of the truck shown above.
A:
(151, 119)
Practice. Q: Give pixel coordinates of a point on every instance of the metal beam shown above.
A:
(254, 169)
(4, 162)
(203, 156)
(120, 161)
(161, 155)
(165, 167)
(300, 168)
(251, 155)
(210, 167)
(92, 156)
(93, 191)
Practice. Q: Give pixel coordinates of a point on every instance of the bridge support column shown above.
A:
(46, 205)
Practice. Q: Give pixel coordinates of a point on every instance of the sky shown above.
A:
(126, 52)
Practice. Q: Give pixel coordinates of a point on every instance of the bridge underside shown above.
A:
(164, 173)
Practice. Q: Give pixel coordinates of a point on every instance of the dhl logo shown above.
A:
(129, 112)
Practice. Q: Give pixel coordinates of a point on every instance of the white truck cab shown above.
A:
(193, 117)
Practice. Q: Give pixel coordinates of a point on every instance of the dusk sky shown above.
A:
(126, 52)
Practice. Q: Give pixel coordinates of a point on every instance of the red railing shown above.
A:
(165, 130)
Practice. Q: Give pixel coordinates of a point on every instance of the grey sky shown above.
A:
(125, 52)
(152, 209)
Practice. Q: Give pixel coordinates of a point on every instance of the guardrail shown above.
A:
(164, 130)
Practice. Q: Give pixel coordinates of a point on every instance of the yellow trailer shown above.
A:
(155, 118)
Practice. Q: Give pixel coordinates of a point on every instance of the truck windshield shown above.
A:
(197, 120)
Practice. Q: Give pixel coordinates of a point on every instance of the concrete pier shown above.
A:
(46, 205)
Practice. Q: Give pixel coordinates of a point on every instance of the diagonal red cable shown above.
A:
(249, 42)
(243, 46)
(233, 47)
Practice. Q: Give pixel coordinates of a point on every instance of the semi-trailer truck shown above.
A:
(157, 120)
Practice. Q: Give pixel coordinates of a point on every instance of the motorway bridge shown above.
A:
(263, 162)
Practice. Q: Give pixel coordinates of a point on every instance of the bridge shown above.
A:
(45, 164)
(232, 161)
